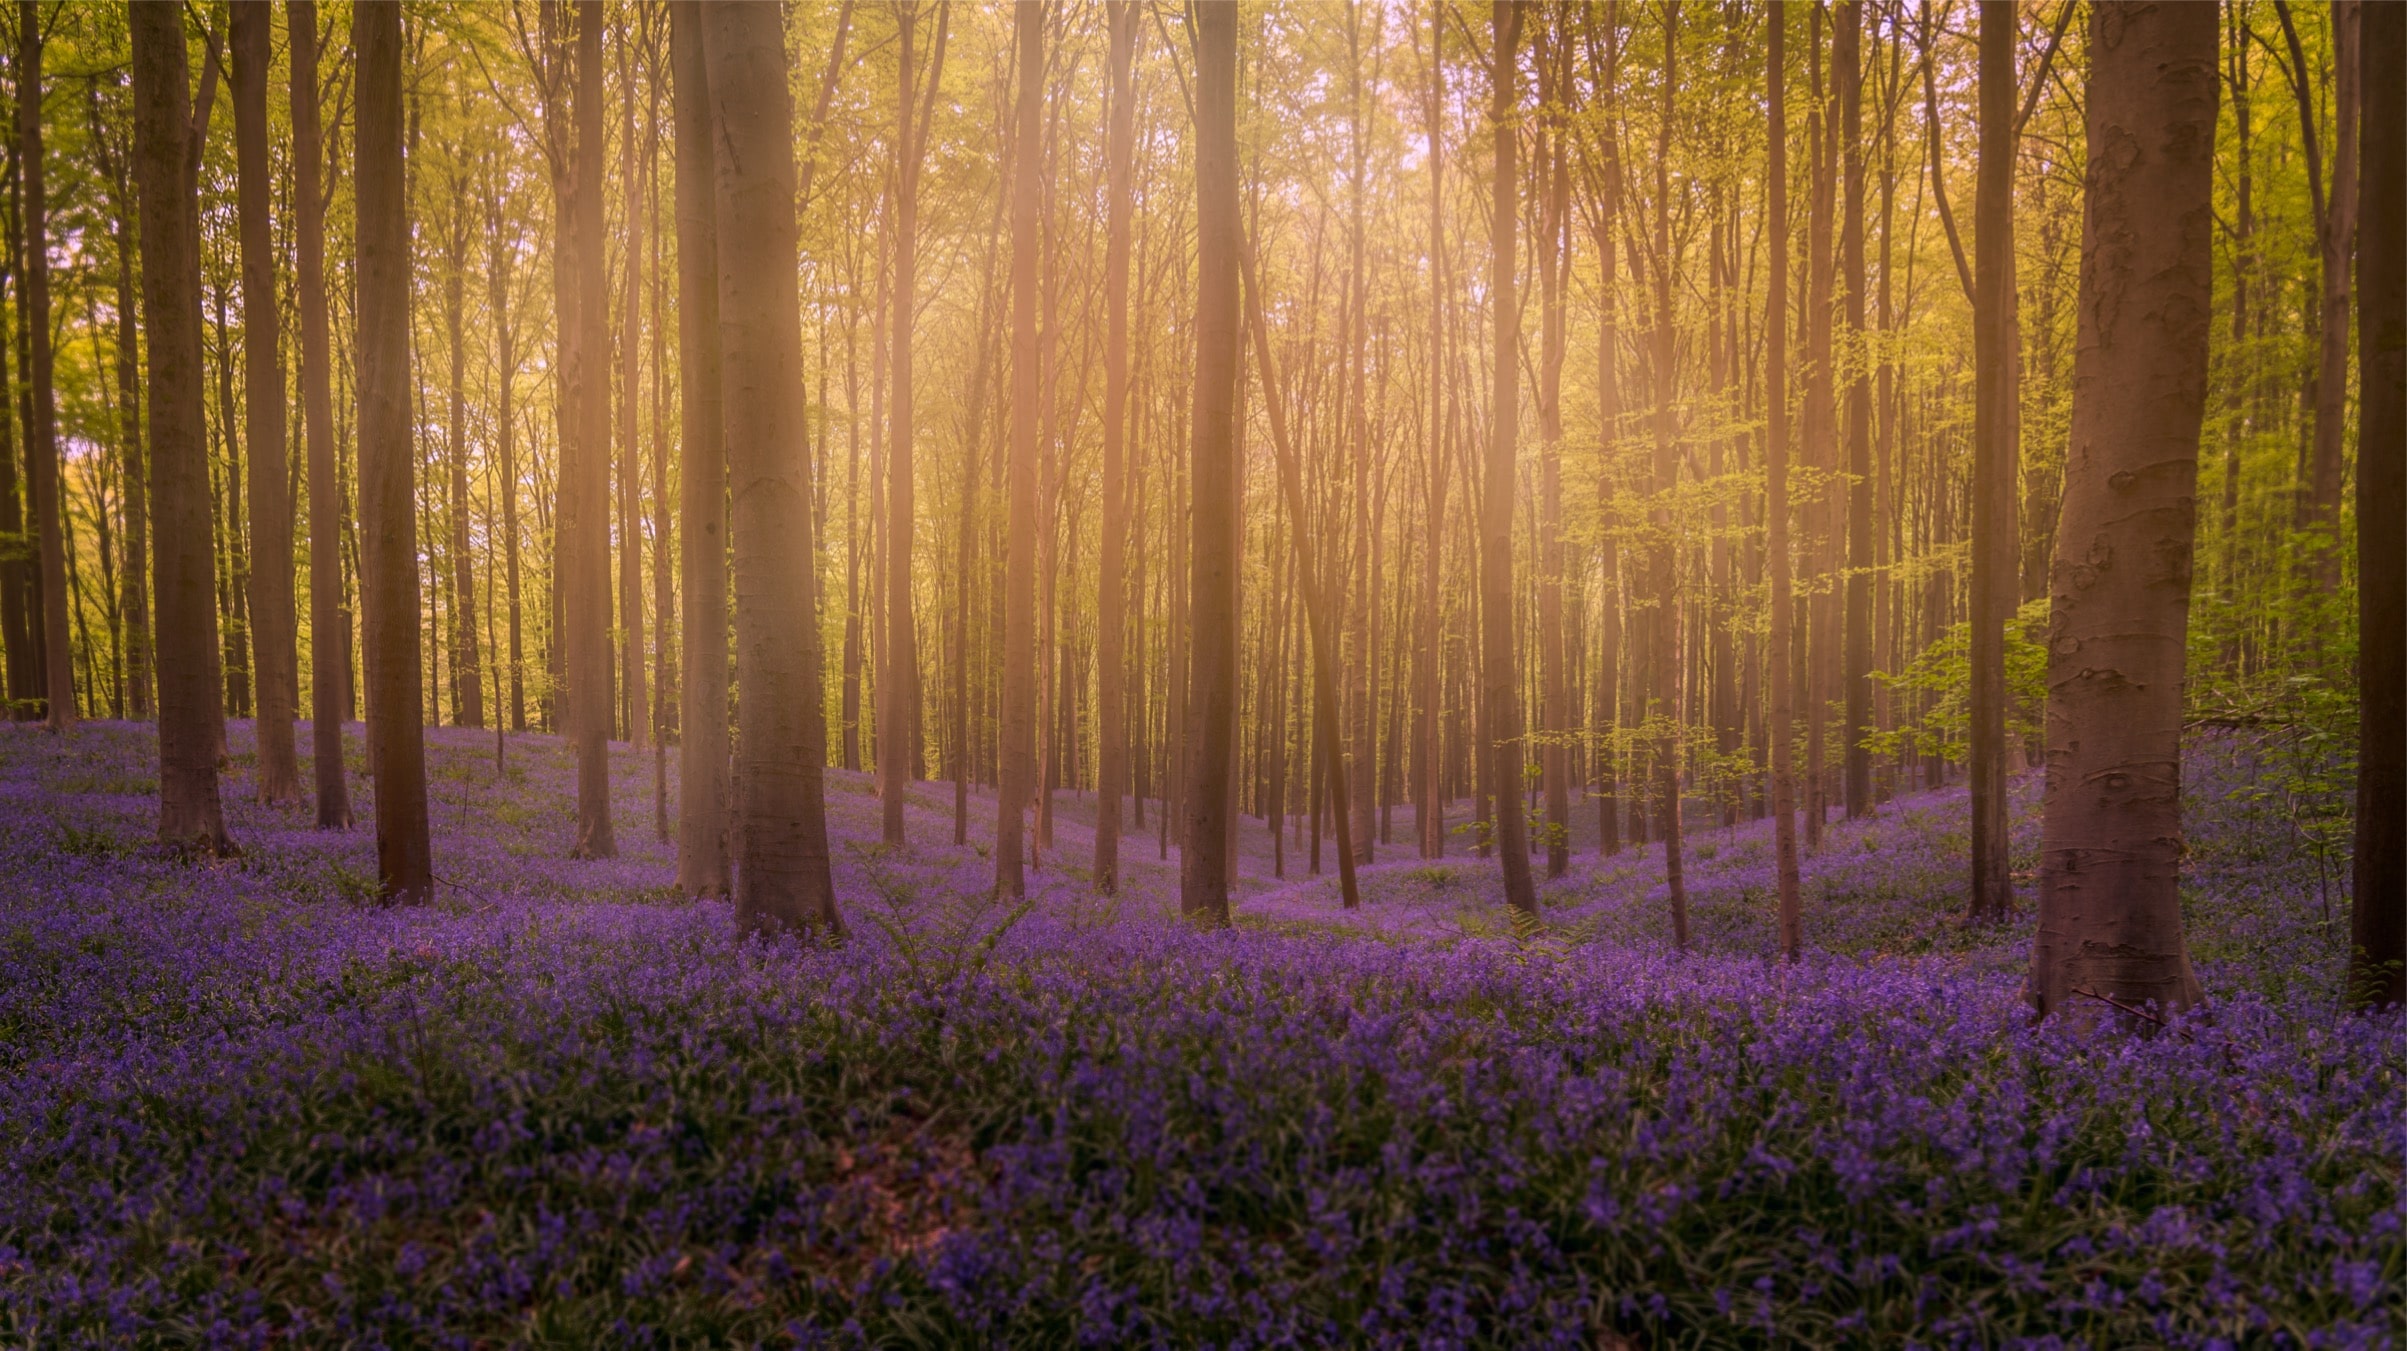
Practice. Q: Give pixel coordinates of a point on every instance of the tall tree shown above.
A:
(1997, 387)
(387, 488)
(330, 667)
(1206, 861)
(783, 880)
(501, 256)
(42, 479)
(1553, 209)
(168, 131)
(1847, 61)
(630, 391)
(2110, 901)
(1111, 603)
(1501, 724)
(134, 570)
(1669, 667)
(273, 642)
(2378, 917)
(702, 784)
(1429, 810)
(1783, 732)
(2335, 218)
(583, 566)
(1017, 779)
(898, 677)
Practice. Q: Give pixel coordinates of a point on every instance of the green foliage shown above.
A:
(1939, 680)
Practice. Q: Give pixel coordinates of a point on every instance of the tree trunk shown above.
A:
(1668, 665)
(1554, 184)
(329, 670)
(43, 487)
(1997, 380)
(1111, 604)
(898, 676)
(1848, 70)
(1501, 730)
(2110, 902)
(167, 142)
(2378, 914)
(1783, 730)
(1429, 808)
(1018, 776)
(630, 391)
(134, 574)
(782, 874)
(2335, 229)
(583, 569)
(387, 495)
(702, 783)
(467, 675)
(1205, 862)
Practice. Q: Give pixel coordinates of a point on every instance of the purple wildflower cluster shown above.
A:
(564, 1106)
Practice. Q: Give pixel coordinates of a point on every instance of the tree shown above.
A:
(583, 567)
(2109, 902)
(1111, 604)
(898, 677)
(387, 489)
(702, 785)
(168, 128)
(2378, 916)
(1783, 733)
(41, 434)
(273, 642)
(1997, 380)
(1017, 779)
(329, 666)
(1668, 665)
(1847, 63)
(783, 880)
(1206, 862)
(1501, 711)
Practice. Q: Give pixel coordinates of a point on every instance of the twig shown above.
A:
(2184, 1033)
(462, 886)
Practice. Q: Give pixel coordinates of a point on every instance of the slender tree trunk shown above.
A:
(1668, 665)
(1817, 652)
(329, 667)
(43, 487)
(1017, 780)
(1997, 380)
(1205, 863)
(1111, 605)
(1848, 71)
(2335, 228)
(1502, 722)
(583, 569)
(20, 597)
(2378, 913)
(467, 675)
(388, 515)
(1554, 186)
(1429, 794)
(630, 394)
(1783, 731)
(783, 880)
(702, 751)
(167, 142)
(2110, 902)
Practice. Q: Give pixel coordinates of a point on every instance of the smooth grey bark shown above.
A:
(329, 625)
(1017, 780)
(702, 751)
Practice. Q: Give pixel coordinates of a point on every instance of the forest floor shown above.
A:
(242, 1104)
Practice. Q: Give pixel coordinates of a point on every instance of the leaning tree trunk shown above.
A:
(388, 534)
(1501, 726)
(1016, 781)
(43, 488)
(584, 557)
(702, 785)
(329, 663)
(1996, 384)
(166, 143)
(783, 880)
(1111, 605)
(2378, 915)
(2110, 866)
(1205, 862)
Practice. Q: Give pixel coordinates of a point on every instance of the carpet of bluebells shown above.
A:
(242, 1105)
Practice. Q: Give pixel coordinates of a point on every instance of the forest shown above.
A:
(1239, 672)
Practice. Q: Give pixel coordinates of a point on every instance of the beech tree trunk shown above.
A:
(1997, 380)
(783, 880)
(898, 673)
(329, 661)
(1499, 697)
(1206, 862)
(1848, 71)
(467, 674)
(167, 140)
(1017, 781)
(1111, 604)
(387, 492)
(43, 491)
(2110, 903)
(502, 247)
(1429, 802)
(1669, 667)
(702, 751)
(1554, 700)
(1783, 731)
(583, 568)
(134, 572)
(632, 682)
(2378, 913)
